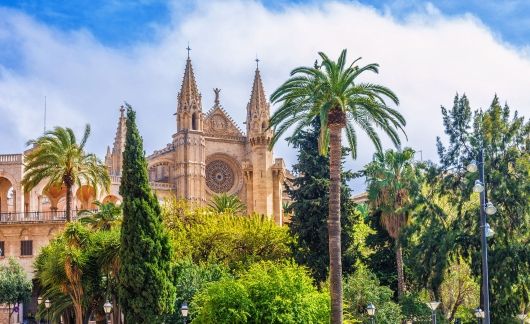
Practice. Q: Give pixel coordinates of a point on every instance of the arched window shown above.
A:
(264, 126)
(194, 122)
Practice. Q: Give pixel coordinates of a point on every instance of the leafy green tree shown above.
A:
(59, 160)
(230, 240)
(331, 92)
(449, 228)
(189, 279)
(15, 287)
(309, 207)
(225, 203)
(60, 267)
(71, 271)
(393, 184)
(363, 288)
(459, 291)
(106, 216)
(145, 286)
(268, 292)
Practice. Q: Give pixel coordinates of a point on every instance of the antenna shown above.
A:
(44, 114)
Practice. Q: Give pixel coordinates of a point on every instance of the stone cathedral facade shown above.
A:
(209, 154)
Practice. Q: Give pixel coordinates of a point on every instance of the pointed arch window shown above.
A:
(194, 122)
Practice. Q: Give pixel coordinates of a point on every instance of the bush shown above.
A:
(207, 236)
(267, 293)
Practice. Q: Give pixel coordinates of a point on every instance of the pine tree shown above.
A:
(146, 290)
(310, 195)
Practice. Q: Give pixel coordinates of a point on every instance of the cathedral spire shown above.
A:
(189, 107)
(114, 158)
(258, 109)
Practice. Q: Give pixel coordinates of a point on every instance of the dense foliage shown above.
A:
(268, 292)
(447, 228)
(145, 286)
(223, 238)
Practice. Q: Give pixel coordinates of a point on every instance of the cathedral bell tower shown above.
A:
(189, 140)
(260, 175)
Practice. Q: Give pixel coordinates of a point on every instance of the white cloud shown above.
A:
(425, 58)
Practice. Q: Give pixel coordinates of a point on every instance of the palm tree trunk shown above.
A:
(78, 313)
(68, 202)
(334, 228)
(400, 275)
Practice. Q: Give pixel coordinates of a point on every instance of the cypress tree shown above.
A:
(310, 195)
(145, 290)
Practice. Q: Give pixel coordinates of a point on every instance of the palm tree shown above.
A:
(104, 218)
(225, 203)
(59, 160)
(330, 91)
(393, 182)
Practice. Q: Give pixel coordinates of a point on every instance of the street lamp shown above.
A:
(433, 306)
(370, 309)
(184, 311)
(48, 304)
(479, 314)
(486, 209)
(39, 300)
(107, 307)
(522, 317)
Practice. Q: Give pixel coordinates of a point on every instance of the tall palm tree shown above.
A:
(59, 160)
(225, 203)
(393, 182)
(330, 91)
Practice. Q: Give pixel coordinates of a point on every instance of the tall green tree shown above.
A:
(393, 185)
(442, 234)
(310, 196)
(331, 92)
(146, 291)
(59, 160)
(15, 287)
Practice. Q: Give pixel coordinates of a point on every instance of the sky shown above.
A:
(88, 57)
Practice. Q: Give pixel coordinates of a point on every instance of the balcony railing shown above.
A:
(35, 217)
(10, 158)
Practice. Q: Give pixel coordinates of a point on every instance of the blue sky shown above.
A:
(120, 23)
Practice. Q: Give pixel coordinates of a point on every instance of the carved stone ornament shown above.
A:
(219, 176)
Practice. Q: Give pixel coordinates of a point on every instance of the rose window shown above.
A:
(219, 176)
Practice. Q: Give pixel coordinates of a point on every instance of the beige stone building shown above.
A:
(208, 155)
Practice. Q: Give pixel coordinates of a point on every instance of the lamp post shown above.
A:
(433, 306)
(39, 300)
(486, 208)
(184, 311)
(370, 309)
(48, 304)
(107, 307)
(522, 317)
(479, 314)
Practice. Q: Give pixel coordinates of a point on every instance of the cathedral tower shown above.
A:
(263, 188)
(189, 140)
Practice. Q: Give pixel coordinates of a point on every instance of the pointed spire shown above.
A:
(188, 91)
(119, 138)
(114, 157)
(258, 112)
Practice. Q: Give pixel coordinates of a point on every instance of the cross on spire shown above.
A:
(189, 49)
(257, 62)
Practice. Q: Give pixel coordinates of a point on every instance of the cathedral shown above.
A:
(209, 154)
